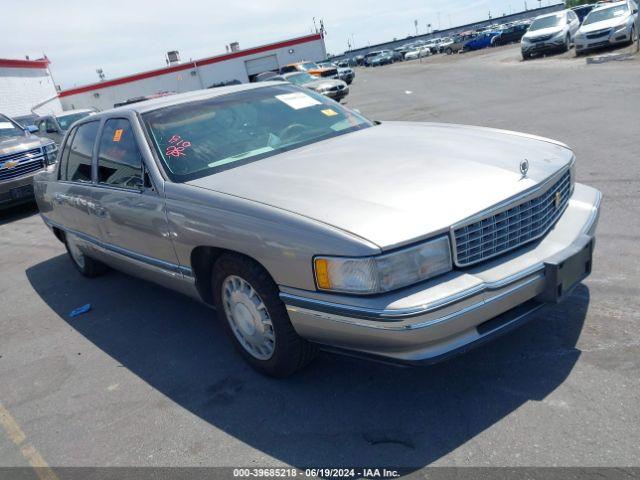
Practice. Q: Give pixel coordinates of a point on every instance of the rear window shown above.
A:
(78, 163)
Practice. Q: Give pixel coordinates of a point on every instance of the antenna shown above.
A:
(101, 74)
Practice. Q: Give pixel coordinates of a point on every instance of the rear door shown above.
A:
(132, 220)
(73, 197)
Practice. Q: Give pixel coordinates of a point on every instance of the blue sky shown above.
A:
(126, 37)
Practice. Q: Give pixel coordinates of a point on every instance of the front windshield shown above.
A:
(201, 138)
(66, 121)
(9, 129)
(546, 22)
(308, 66)
(606, 14)
(300, 78)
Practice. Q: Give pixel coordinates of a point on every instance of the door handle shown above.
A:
(99, 211)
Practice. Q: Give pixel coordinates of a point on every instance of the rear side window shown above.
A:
(78, 163)
(119, 159)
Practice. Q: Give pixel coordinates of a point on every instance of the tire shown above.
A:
(87, 266)
(449, 51)
(567, 44)
(248, 303)
(632, 37)
(525, 56)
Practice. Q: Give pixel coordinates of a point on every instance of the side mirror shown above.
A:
(32, 128)
(635, 10)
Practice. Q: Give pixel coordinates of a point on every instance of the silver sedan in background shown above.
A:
(608, 24)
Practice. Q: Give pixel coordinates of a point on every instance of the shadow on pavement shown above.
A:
(339, 411)
(18, 212)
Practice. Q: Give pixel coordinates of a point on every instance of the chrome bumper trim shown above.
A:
(352, 319)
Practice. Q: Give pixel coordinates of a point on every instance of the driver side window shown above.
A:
(119, 159)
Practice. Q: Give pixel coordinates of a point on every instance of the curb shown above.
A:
(610, 58)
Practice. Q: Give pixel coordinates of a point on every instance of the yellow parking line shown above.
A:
(29, 452)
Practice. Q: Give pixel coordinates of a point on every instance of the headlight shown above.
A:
(525, 40)
(620, 29)
(50, 153)
(386, 272)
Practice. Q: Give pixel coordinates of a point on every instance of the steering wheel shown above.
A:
(294, 130)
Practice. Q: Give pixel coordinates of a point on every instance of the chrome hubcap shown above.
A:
(248, 317)
(74, 250)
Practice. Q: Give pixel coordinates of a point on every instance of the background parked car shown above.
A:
(335, 89)
(606, 25)
(26, 120)
(511, 34)
(22, 155)
(550, 32)
(384, 58)
(418, 53)
(311, 68)
(480, 41)
(346, 74)
(458, 42)
(55, 126)
(369, 56)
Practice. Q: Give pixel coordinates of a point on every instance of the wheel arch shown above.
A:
(202, 259)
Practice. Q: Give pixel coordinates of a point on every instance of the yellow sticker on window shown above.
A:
(329, 112)
(117, 135)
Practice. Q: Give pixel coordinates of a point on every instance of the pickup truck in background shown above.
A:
(22, 155)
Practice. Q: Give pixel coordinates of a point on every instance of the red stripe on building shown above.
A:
(7, 63)
(190, 65)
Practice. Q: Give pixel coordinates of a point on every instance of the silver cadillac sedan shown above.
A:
(308, 226)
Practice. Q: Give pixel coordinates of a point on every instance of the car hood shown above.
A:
(604, 24)
(18, 144)
(398, 182)
(543, 32)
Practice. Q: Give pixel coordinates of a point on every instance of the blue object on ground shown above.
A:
(80, 310)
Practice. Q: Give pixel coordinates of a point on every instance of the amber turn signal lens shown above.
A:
(322, 273)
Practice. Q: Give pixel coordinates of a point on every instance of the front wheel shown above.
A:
(449, 51)
(256, 319)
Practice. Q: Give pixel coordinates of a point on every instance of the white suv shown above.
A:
(550, 32)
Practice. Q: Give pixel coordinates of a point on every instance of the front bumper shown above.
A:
(449, 314)
(550, 45)
(17, 190)
(338, 95)
(584, 44)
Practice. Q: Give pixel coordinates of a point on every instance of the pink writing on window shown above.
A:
(177, 147)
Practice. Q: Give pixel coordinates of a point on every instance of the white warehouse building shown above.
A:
(27, 85)
(237, 65)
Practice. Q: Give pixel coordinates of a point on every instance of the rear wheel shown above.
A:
(256, 319)
(449, 50)
(87, 266)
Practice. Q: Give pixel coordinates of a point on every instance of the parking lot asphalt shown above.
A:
(148, 378)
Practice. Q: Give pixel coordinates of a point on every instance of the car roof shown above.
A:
(553, 14)
(73, 112)
(178, 98)
(603, 6)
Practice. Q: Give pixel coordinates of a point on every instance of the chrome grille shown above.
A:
(599, 33)
(541, 38)
(27, 162)
(512, 228)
